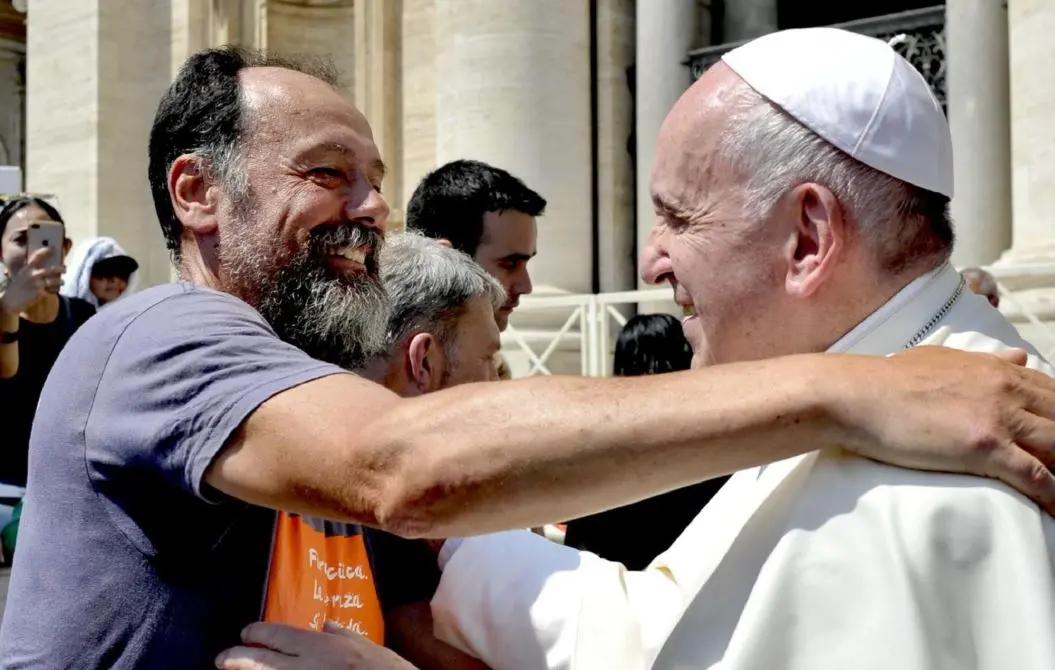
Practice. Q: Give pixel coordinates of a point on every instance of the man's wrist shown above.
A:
(845, 384)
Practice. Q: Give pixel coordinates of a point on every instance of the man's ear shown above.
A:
(818, 239)
(193, 198)
(423, 366)
(444, 242)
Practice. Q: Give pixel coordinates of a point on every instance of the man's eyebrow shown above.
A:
(379, 167)
(519, 257)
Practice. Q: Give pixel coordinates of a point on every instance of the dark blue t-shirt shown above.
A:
(125, 558)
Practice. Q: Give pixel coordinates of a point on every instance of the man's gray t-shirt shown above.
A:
(126, 559)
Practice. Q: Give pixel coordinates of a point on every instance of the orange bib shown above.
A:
(319, 571)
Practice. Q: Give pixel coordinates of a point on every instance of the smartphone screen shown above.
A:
(47, 234)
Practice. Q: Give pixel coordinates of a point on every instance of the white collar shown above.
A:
(890, 328)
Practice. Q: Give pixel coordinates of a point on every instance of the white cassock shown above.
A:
(822, 561)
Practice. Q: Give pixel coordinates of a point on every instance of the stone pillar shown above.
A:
(12, 96)
(976, 48)
(615, 113)
(377, 89)
(418, 95)
(747, 19)
(514, 91)
(1030, 263)
(327, 31)
(95, 73)
(666, 31)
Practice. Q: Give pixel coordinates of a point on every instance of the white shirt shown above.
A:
(824, 560)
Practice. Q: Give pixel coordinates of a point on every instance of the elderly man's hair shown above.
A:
(429, 286)
(203, 112)
(907, 226)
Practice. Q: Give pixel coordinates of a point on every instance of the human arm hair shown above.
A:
(483, 457)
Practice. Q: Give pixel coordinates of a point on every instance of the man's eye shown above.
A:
(326, 175)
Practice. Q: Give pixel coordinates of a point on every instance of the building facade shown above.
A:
(566, 94)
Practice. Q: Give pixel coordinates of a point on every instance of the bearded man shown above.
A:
(177, 421)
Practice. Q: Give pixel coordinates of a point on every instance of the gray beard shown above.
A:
(331, 318)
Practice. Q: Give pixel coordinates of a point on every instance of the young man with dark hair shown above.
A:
(485, 212)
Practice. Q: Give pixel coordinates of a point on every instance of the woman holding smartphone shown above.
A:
(35, 324)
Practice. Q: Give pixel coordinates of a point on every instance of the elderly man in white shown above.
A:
(801, 190)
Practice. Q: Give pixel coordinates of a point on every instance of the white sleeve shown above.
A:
(516, 601)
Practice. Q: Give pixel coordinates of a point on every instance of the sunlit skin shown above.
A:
(313, 161)
(14, 247)
(791, 283)
(507, 245)
(420, 365)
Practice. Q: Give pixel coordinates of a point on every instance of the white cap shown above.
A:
(858, 94)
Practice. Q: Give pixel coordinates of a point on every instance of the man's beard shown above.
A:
(334, 318)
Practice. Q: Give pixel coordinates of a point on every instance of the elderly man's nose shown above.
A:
(655, 264)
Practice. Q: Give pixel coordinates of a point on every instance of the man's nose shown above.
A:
(367, 208)
(655, 263)
(523, 285)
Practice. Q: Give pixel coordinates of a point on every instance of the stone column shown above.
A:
(666, 31)
(976, 50)
(95, 73)
(327, 31)
(418, 95)
(11, 95)
(615, 113)
(514, 91)
(747, 19)
(1030, 263)
(377, 90)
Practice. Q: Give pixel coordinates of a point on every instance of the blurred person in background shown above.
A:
(649, 344)
(35, 324)
(487, 213)
(982, 283)
(100, 272)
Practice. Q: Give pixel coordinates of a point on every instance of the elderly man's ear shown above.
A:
(424, 363)
(444, 242)
(814, 245)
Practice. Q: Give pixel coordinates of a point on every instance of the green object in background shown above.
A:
(9, 534)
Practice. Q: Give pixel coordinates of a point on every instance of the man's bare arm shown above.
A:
(484, 457)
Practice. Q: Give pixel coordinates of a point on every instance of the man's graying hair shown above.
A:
(203, 112)
(907, 226)
(429, 286)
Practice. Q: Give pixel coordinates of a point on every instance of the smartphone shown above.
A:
(47, 234)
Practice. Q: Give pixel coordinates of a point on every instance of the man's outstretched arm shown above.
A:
(485, 457)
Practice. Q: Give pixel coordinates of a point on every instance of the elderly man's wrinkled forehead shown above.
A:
(279, 100)
(685, 160)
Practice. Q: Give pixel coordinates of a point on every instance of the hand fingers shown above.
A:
(254, 658)
(1036, 436)
(38, 257)
(1022, 471)
(1016, 356)
(280, 637)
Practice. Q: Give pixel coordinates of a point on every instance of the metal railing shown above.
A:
(591, 323)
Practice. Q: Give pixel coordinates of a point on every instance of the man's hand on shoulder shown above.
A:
(269, 646)
(933, 408)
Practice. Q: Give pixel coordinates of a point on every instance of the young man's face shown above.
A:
(508, 243)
